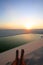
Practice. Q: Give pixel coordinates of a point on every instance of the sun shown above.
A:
(29, 25)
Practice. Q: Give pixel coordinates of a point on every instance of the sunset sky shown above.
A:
(21, 14)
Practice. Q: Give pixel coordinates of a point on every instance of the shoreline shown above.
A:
(18, 34)
(9, 56)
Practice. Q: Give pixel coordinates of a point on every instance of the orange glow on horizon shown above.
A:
(26, 25)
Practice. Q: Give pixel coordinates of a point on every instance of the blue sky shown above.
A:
(18, 13)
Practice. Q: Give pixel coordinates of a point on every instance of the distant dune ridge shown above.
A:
(11, 32)
(9, 56)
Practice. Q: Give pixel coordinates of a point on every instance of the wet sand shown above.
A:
(9, 55)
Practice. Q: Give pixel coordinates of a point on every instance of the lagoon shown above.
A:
(10, 42)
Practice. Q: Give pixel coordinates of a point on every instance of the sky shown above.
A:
(21, 14)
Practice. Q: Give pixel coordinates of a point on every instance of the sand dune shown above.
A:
(9, 55)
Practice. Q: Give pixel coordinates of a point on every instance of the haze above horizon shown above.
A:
(21, 14)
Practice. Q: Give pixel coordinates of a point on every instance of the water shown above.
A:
(10, 42)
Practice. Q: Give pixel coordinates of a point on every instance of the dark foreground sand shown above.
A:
(33, 54)
(35, 58)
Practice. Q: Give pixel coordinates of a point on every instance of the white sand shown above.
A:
(9, 55)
